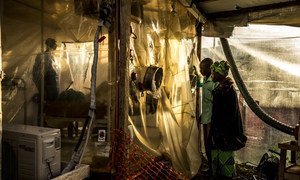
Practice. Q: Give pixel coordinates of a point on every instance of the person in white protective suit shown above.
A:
(51, 73)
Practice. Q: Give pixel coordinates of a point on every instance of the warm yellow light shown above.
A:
(290, 68)
(155, 28)
(150, 50)
(82, 53)
(258, 32)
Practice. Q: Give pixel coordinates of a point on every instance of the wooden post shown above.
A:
(199, 38)
(298, 133)
(112, 81)
(297, 137)
(119, 72)
(282, 164)
(123, 62)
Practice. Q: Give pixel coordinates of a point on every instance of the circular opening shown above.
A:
(152, 74)
(158, 77)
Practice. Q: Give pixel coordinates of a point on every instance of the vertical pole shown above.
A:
(112, 77)
(298, 132)
(297, 138)
(123, 14)
(112, 82)
(117, 63)
(199, 39)
(41, 118)
(123, 62)
(198, 95)
(282, 164)
(25, 102)
(1, 75)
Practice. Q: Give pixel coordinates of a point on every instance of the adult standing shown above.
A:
(51, 73)
(207, 99)
(226, 134)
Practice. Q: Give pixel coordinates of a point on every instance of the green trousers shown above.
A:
(223, 163)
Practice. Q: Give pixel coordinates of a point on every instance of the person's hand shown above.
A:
(199, 83)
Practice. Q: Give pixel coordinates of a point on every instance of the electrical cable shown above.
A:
(49, 167)
(86, 131)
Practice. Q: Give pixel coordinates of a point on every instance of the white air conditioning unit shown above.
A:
(30, 152)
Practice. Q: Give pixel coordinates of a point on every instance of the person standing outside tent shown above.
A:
(226, 133)
(51, 73)
(207, 88)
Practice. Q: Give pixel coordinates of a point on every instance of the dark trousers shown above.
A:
(206, 129)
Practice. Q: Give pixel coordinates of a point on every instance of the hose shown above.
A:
(250, 101)
(87, 128)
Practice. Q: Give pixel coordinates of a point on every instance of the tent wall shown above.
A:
(24, 32)
(269, 66)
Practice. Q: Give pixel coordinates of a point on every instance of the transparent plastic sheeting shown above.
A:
(171, 131)
(22, 31)
(164, 121)
(268, 60)
(224, 26)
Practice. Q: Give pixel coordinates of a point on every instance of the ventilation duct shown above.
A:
(148, 78)
(250, 101)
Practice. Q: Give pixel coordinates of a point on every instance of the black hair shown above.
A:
(50, 42)
(207, 61)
